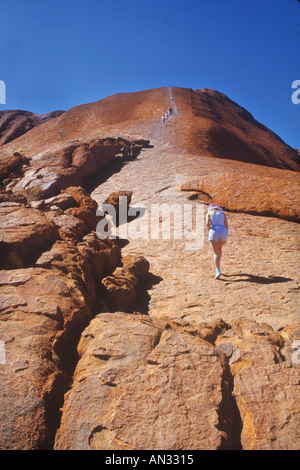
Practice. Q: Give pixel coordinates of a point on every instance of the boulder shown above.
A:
(43, 309)
(266, 386)
(24, 234)
(144, 386)
(71, 164)
(120, 286)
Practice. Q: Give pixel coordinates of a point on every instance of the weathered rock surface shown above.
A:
(46, 173)
(119, 200)
(13, 123)
(216, 126)
(259, 281)
(274, 195)
(208, 124)
(120, 286)
(154, 388)
(160, 386)
(42, 311)
(50, 288)
(265, 387)
(71, 165)
(24, 234)
(181, 361)
(12, 166)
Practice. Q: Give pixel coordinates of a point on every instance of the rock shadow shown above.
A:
(139, 212)
(121, 242)
(92, 183)
(141, 304)
(243, 277)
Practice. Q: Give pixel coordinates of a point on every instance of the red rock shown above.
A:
(119, 288)
(87, 207)
(13, 123)
(41, 310)
(266, 388)
(72, 164)
(24, 234)
(245, 191)
(152, 389)
(187, 375)
(268, 398)
(208, 124)
(12, 165)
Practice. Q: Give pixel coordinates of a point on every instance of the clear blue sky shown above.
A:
(56, 54)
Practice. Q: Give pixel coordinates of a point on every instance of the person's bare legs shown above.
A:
(217, 248)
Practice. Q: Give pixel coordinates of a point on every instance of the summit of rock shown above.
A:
(208, 124)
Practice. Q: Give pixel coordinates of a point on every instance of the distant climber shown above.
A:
(163, 119)
(217, 225)
(170, 110)
(125, 150)
(166, 116)
(133, 151)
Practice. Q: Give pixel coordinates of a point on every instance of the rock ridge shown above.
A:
(204, 380)
(16, 123)
(52, 265)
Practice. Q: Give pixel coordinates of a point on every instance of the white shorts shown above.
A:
(218, 233)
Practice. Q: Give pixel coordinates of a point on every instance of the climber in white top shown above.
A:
(217, 225)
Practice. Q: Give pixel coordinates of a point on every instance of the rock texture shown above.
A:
(263, 380)
(208, 124)
(52, 266)
(131, 343)
(216, 126)
(275, 194)
(13, 123)
(180, 386)
(155, 388)
(47, 173)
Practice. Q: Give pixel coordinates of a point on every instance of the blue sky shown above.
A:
(56, 54)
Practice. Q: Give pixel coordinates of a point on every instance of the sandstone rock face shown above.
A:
(208, 124)
(234, 192)
(45, 174)
(140, 347)
(13, 124)
(217, 126)
(24, 234)
(12, 166)
(119, 287)
(263, 381)
(52, 265)
(155, 388)
(50, 173)
(161, 386)
(278, 390)
(42, 310)
(49, 283)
